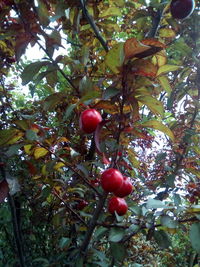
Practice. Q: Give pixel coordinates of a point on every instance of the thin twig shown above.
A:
(73, 170)
(128, 237)
(45, 50)
(69, 208)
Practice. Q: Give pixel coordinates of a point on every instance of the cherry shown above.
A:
(81, 204)
(125, 189)
(89, 120)
(181, 9)
(117, 204)
(111, 180)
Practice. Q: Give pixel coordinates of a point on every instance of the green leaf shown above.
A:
(90, 95)
(170, 180)
(43, 13)
(116, 234)
(152, 103)
(100, 232)
(134, 228)
(162, 239)
(168, 222)
(164, 82)
(10, 136)
(69, 111)
(79, 262)
(157, 125)
(115, 58)
(31, 135)
(64, 242)
(31, 70)
(44, 261)
(53, 100)
(195, 236)
(167, 68)
(13, 150)
(177, 199)
(135, 209)
(154, 204)
(118, 251)
(110, 92)
(167, 33)
(52, 78)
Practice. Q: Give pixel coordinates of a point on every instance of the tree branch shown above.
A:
(93, 25)
(156, 18)
(93, 223)
(192, 219)
(16, 228)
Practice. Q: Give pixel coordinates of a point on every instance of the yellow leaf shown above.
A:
(58, 165)
(167, 68)
(110, 12)
(44, 170)
(164, 82)
(157, 125)
(36, 177)
(142, 91)
(160, 58)
(62, 139)
(40, 152)
(171, 230)
(27, 149)
(152, 103)
(132, 158)
(107, 106)
(167, 33)
(82, 228)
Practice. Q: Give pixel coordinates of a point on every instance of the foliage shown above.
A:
(138, 67)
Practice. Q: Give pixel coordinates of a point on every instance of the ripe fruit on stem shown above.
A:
(89, 120)
(125, 189)
(111, 180)
(117, 204)
(181, 9)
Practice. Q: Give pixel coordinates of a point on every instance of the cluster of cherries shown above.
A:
(112, 181)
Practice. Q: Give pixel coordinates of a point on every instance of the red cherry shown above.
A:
(81, 205)
(111, 180)
(181, 9)
(89, 120)
(125, 189)
(117, 204)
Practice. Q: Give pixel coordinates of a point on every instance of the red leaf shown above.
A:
(105, 160)
(133, 47)
(4, 189)
(22, 41)
(144, 68)
(97, 138)
(31, 167)
(153, 43)
(155, 47)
